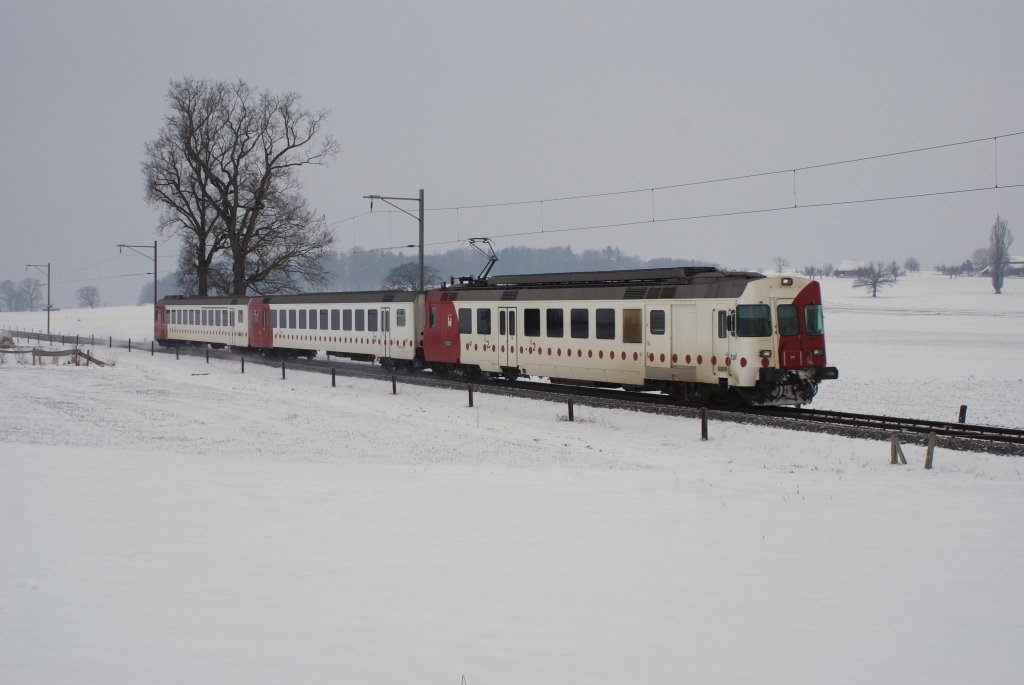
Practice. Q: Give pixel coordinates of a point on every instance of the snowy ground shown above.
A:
(167, 521)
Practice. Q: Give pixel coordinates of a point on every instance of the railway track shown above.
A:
(951, 435)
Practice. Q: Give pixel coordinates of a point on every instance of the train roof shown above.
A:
(303, 298)
(681, 275)
(678, 282)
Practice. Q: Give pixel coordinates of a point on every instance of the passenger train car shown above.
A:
(697, 333)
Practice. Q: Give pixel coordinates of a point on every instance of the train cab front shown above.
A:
(801, 363)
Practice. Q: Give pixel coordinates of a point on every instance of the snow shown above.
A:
(168, 521)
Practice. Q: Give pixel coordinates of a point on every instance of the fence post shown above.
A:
(571, 418)
(110, 341)
(152, 348)
(963, 413)
(931, 451)
(394, 385)
(470, 395)
(177, 351)
(207, 355)
(895, 450)
(92, 340)
(334, 378)
(282, 369)
(703, 423)
(129, 344)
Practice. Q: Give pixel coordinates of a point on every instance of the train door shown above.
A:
(384, 349)
(658, 338)
(507, 338)
(685, 347)
(721, 337)
(260, 332)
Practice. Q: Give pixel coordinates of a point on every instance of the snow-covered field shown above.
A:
(170, 521)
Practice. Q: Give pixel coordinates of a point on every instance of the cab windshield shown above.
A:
(814, 319)
(788, 324)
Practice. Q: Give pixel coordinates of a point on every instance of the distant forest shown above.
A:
(366, 269)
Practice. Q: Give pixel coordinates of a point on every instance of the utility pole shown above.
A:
(40, 267)
(135, 249)
(419, 218)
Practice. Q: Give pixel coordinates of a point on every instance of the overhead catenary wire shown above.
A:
(654, 219)
(737, 177)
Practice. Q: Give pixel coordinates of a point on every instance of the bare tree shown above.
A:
(12, 296)
(31, 293)
(224, 168)
(780, 263)
(999, 242)
(810, 271)
(828, 269)
(911, 265)
(874, 276)
(89, 296)
(407, 277)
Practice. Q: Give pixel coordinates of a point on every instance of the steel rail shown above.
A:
(970, 437)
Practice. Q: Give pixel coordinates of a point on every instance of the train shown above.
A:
(697, 333)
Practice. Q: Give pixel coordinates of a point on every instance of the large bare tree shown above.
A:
(88, 296)
(999, 241)
(225, 171)
(407, 277)
(874, 276)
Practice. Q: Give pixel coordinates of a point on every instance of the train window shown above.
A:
(224, 316)
(433, 317)
(360, 319)
(814, 320)
(466, 321)
(273, 318)
(531, 323)
(723, 326)
(191, 317)
(512, 322)
(555, 323)
(400, 318)
(657, 322)
(323, 319)
(346, 320)
(579, 323)
(483, 321)
(302, 318)
(786, 314)
(335, 319)
(371, 320)
(202, 317)
(604, 322)
(753, 320)
(312, 319)
(291, 318)
(241, 316)
(501, 322)
(632, 325)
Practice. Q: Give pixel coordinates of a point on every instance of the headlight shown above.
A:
(766, 354)
(817, 352)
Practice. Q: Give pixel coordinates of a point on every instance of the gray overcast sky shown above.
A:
(485, 102)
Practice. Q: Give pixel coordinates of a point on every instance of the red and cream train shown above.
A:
(697, 332)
